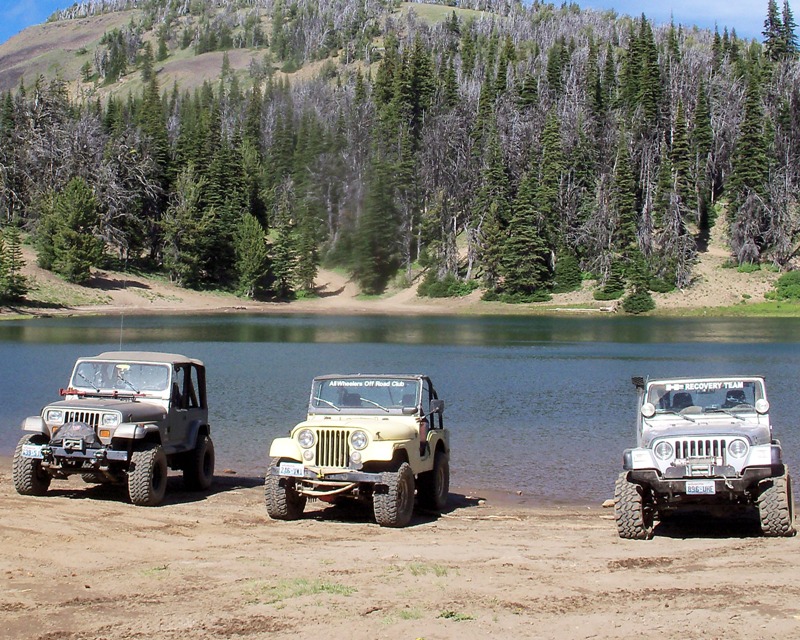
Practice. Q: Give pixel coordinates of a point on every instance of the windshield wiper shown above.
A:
(676, 413)
(372, 402)
(126, 381)
(725, 411)
(328, 402)
(87, 381)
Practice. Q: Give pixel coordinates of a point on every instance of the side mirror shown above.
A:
(437, 406)
(648, 410)
(762, 406)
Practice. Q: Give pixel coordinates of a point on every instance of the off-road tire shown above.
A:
(433, 486)
(282, 499)
(632, 511)
(147, 479)
(198, 473)
(29, 477)
(393, 503)
(776, 508)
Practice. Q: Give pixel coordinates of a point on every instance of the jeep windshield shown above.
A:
(101, 377)
(727, 396)
(363, 394)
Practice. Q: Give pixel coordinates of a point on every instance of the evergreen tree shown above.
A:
(774, 42)
(186, 228)
(252, 257)
(750, 165)
(680, 155)
(649, 85)
(624, 202)
(375, 254)
(14, 285)
(307, 249)
(702, 139)
(551, 169)
(789, 35)
(70, 232)
(525, 256)
(639, 300)
(491, 212)
(3, 270)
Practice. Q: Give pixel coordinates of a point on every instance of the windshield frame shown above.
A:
(365, 395)
(121, 377)
(707, 396)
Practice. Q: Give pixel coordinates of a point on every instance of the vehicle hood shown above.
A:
(732, 428)
(382, 428)
(132, 411)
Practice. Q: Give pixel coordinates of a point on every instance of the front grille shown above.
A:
(92, 418)
(701, 448)
(333, 448)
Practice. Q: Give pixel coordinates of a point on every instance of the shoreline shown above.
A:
(716, 291)
(460, 496)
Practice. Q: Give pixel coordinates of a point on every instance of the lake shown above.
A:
(542, 405)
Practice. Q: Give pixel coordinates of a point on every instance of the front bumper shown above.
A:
(724, 485)
(61, 456)
(332, 476)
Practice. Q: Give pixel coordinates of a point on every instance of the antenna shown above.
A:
(125, 288)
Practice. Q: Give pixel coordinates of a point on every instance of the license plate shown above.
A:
(32, 451)
(701, 488)
(293, 469)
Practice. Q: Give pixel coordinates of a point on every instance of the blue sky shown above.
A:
(746, 16)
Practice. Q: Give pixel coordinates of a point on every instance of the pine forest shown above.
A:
(519, 148)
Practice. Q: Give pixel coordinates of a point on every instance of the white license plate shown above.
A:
(701, 488)
(32, 451)
(293, 469)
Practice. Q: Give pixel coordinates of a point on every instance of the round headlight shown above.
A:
(737, 448)
(648, 409)
(663, 450)
(110, 419)
(762, 405)
(55, 416)
(358, 440)
(306, 438)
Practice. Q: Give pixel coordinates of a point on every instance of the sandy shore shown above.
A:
(83, 563)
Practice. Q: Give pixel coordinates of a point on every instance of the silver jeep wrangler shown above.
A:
(377, 438)
(703, 443)
(125, 418)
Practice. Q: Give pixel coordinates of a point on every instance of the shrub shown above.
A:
(447, 287)
(608, 293)
(787, 287)
(748, 267)
(568, 275)
(638, 302)
(659, 285)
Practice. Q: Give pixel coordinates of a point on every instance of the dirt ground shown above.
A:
(83, 563)
(111, 292)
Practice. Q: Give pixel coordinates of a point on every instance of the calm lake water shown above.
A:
(542, 405)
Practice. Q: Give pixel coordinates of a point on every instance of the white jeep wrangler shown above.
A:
(703, 443)
(378, 438)
(125, 418)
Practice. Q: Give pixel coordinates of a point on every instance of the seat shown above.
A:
(681, 400)
(351, 400)
(409, 400)
(734, 398)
